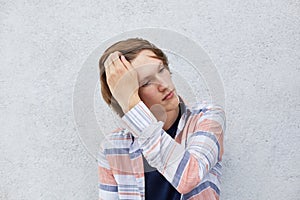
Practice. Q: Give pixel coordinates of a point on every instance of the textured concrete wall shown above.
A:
(43, 44)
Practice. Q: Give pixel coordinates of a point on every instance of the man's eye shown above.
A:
(145, 84)
(162, 69)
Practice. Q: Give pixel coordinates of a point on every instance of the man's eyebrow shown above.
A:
(149, 76)
(146, 77)
(159, 64)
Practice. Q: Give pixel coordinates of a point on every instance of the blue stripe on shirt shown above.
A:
(200, 188)
(109, 188)
(117, 151)
(211, 136)
(180, 168)
(135, 154)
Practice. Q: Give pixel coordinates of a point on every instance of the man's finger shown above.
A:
(126, 63)
(111, 58)
(115, 56)
(119, 64)
(106, 63)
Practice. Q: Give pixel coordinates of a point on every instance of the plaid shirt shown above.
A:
(191, 162)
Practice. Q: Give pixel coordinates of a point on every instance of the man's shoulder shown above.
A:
(203, 106)
(197, 107)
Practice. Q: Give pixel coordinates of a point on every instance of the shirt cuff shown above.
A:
(140, 120)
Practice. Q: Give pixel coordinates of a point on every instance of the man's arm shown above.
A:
(107, 185)
(183, 165)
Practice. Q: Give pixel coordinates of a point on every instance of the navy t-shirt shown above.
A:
(156, 185)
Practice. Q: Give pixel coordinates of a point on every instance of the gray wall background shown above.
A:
(43, 44)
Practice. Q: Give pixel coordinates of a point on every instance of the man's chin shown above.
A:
(159, 112)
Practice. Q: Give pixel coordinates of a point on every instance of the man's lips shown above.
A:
(169, 95)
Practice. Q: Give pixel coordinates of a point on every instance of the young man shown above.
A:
(167, 150)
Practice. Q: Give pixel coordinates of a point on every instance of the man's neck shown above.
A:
(171, 118)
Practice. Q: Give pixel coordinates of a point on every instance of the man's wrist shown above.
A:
(134, 100)
(140, 120)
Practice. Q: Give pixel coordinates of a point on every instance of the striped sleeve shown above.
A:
(184, 165)
(107, 185)
(141, 121)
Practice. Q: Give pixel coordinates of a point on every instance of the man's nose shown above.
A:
(162, 84)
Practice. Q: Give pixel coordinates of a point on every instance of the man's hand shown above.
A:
(122, 80)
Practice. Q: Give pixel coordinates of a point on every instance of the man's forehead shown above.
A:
(145, 57)
(148, 68)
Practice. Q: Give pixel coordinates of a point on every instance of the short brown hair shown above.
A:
(130, 48)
